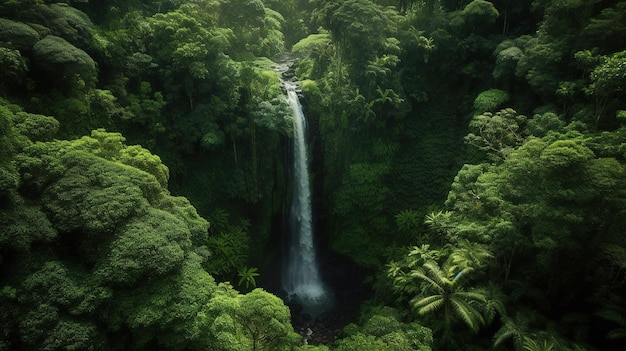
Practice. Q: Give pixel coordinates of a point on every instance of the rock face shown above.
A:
(287, 69)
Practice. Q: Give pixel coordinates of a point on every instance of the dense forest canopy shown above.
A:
(468, 156)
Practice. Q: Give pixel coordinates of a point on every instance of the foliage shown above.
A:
(408, 220)
(497, 134)
(382, 329)
(362, 196)
(97, 254)
(541, 124)
(36, 127)
(507, 56)
(490, 100)
(228, 246)
(434, 288)
(313, 45)
(63, 20)
(24, 224)
(609, 23)
(18, 35)
(13, 68)
(255, 321)
(64, 61)
(349, 22)
(609, 77)
(274, 115)
(527, 206)
(116, 245)
(479, 12)
(247, 276)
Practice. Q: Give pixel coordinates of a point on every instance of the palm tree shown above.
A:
(444, 292)
(512, 330)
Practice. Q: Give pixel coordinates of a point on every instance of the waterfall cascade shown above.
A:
(301, 278)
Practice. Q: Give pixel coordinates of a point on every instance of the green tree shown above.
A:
(36, 127)
(242, 13)
(362, 342)
(542, 124)
(349, 23)
(540, 66)
(117, 247)
(13, 69)
(63, 20)
(602, 29)
(186, 43)
(65, 63)
(8, 175)
(490, 100)
(496, 134)
(444, 292)
(255, 321)
(382, 329)
(541, 201)
(609, 80)
(23, 224)
(479, 13)
(257, 29)
(508, 54)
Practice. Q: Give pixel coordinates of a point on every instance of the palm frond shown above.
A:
(509, 331)
(422, 275)
(429, 304)
(492, 308)
(495, 302)
(476, 295)
(437, 275)
(470, 315)
(543, 345)
(456, 276)
(468, 255)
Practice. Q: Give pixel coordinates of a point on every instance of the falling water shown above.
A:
(301, 277)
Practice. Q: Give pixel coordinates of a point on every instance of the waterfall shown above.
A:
(301, 276)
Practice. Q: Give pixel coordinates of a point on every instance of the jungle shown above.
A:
(467, 163)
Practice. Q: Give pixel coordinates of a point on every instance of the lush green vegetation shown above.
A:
(469, 154)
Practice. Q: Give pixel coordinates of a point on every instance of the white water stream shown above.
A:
(301, 277)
